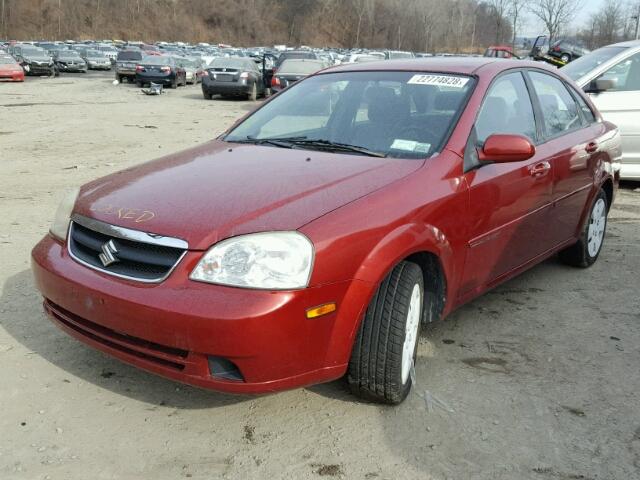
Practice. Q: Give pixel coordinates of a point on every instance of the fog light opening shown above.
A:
(222, 368)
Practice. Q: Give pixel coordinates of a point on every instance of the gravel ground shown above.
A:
(538, 379)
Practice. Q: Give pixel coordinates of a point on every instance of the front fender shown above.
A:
(394, 247)
(400, 244)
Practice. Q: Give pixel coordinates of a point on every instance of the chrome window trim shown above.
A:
(128, 234)
(125, 234)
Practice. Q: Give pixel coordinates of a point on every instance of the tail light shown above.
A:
(165, 69)
(244, 75)
(275, 82)
(139, 68)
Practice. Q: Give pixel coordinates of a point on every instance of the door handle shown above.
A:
(591, 147)
(540, 169)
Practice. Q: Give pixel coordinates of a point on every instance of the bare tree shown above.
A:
(555, 14)
(499, 10)
(515, 12)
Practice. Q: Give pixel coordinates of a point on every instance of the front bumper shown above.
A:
(12, 77)
(63, 67)
(33, 69)
(99, 66)
(173, 328)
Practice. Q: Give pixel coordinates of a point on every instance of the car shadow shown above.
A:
(24, 319)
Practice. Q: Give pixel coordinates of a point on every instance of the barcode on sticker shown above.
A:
(439, 80)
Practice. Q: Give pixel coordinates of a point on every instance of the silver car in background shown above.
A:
(611, 77)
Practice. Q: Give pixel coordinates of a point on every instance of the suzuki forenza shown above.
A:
(315, 237)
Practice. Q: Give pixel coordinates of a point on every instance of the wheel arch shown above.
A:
(423, 244)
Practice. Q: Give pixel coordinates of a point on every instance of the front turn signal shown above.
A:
(321, 310)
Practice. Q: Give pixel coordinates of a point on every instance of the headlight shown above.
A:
(270, 260)
(60, 225)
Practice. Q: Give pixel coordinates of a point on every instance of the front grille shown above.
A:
(162, 355)
(134, 255)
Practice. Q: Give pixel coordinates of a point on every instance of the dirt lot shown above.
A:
(539, 379)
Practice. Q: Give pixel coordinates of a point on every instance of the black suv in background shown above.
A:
(126, 62)
(566, 50)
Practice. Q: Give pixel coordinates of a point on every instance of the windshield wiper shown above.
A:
(336, 147)
(282, 142)
(319, 144)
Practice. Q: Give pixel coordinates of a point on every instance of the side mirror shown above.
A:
(501, 148)
(601, 85)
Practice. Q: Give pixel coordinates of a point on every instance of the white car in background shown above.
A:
(611, 77)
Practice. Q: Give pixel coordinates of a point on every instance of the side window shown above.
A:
(625, 74)
(559, 109)
(506, 109)
(587, 113)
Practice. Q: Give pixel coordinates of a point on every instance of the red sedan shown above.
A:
(10, 70)
(315, 237)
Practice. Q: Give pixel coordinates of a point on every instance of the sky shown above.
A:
(534, 28)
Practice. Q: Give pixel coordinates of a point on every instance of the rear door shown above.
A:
(509, 202)
(570, 143)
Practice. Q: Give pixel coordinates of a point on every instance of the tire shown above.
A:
(207, 96)
(565, 57)
(267, 92)
(139, 84)
(387, 340)
(253, 94)
(585, 251)
(174, 83)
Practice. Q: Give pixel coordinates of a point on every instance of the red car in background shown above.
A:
(317, 236)
(500, 51)
(10, 70)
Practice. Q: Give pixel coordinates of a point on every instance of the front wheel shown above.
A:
(585, 251)
(387, 341)
(566, 58)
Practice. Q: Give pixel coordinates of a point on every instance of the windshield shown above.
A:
(94, 54)
(68, 54)
(583, 65)
(394, 114)
(35, 52)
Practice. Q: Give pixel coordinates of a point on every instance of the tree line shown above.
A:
(418, 25)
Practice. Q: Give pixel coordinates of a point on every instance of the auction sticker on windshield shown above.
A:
(439, 80)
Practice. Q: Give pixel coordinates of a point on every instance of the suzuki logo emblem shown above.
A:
(107, 257)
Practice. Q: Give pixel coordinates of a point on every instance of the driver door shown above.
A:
(509, 202)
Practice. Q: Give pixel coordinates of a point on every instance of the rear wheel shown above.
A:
(207, 96)
(565, 57)
(174, 83)
(139, 84)
(585, 251)
(387, 340)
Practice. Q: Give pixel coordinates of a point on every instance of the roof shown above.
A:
(460, 65)
(629, 43)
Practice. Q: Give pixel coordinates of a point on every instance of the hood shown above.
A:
(219, 190)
